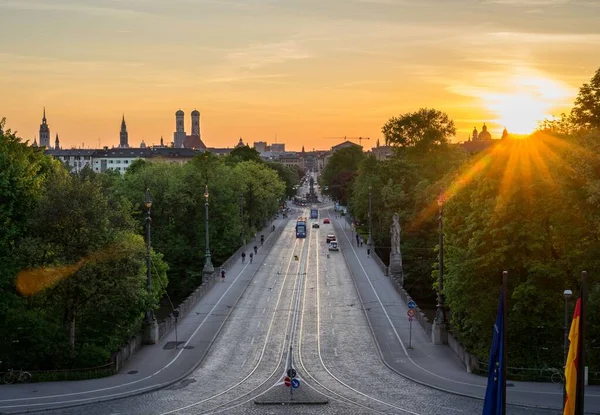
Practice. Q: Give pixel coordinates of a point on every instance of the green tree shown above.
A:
(586, 112)
(339, 172)
(421, 129)
(244, 153)
(289, 175)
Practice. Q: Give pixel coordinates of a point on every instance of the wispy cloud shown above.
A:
(71, 7)
(528, 3)
(266, 54)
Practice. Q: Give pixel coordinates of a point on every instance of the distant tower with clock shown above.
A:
(123, 135)
(196, 123)
(179, 136)
(44, 132)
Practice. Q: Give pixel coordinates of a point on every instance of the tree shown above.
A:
(423, 128)
(586, 112)
(337, 176)
(289, 175)
(244, 153)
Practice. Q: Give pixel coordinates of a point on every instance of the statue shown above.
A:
(395, 269)
(395, 231)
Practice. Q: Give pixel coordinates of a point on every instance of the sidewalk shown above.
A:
(426, 363)
(154, 366)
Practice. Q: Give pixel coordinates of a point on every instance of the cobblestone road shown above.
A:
(334, 349)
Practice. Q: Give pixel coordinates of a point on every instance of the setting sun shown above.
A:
(533, 100)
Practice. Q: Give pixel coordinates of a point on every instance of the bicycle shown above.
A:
(557, 376)
(17, 375)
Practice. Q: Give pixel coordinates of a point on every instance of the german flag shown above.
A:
(573, 369)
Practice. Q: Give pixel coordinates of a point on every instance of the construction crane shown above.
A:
(349, 138)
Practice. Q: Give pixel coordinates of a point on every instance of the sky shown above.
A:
(302, 72)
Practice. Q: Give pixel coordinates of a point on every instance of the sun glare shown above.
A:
(529, 99)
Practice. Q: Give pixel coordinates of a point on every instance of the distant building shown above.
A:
(44, 132)
(240, 143)
(181, 139)
(277, 148)
(261, 146)
(345, 144)
(123, 135)
(479, 141)
(382, 152)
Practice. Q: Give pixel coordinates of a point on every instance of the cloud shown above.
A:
(528, 3)
(266, 54)
(71, 7)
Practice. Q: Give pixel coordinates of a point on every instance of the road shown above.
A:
(303, 297)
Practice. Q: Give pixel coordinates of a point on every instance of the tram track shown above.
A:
(291, 320)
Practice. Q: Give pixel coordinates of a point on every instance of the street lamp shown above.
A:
(148, 204)
(440, 315)
(567, 294)
(242, 217)
(370, 242)
(208, 266)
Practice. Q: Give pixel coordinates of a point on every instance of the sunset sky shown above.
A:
(288, 71)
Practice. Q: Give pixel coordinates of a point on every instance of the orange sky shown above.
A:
(292, 71)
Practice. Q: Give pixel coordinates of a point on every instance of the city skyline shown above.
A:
(289, 71)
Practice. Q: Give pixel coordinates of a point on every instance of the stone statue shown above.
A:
(395, 231)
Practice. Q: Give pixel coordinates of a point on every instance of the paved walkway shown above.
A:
(426, 363)
(154, 366)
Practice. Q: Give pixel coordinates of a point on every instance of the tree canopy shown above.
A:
(421, 129)
(586, 111)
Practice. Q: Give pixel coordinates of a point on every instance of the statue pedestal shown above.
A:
(150, 332)
(395, 269)
(439, 334)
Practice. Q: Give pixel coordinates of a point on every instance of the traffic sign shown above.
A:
(291, 372)
(411, 312)
(412, 304)
(287, 381)
(295, 383)
(410, 319)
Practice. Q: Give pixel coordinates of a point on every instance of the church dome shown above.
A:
(485, 134)
(240, 143)
(195, 112)
(179, 112)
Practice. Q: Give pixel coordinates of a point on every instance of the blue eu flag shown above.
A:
(495, 393)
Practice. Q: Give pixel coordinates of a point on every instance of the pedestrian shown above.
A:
(361, 241)
(243, 257)
(222, 274)
(255, 249)
(273, 229)
(251, 255)
(262, 239)
(368, 252)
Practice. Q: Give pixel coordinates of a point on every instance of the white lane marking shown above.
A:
(258, 325)
(335, 351)
(264, 309)
(331, 315)
(252, 342)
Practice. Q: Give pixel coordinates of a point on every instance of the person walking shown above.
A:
(243, 257)
(357, 240)
(251, 255)
(368, 252)
(262, 239)
(222, 274)
(255, 250)
(361, 241)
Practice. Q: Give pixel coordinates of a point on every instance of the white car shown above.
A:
(333, 246)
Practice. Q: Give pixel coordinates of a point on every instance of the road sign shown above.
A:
(410, 319)
(412, 304)
(295, 383)
(287, 381)
(411, 312)
(291, 373)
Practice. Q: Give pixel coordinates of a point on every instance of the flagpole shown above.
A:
(504, 311)
(580, 394)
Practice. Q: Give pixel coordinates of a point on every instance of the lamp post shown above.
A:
(208, 266)
(440, 315)
(148, 204)
(370, 241)
(567, 294)
(242, 218)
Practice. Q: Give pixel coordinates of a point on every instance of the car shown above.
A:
(331, 237)
(316, 225)
(326, 220)
(333, 246)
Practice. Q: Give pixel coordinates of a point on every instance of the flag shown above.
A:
(495, 393)
(572, 405)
